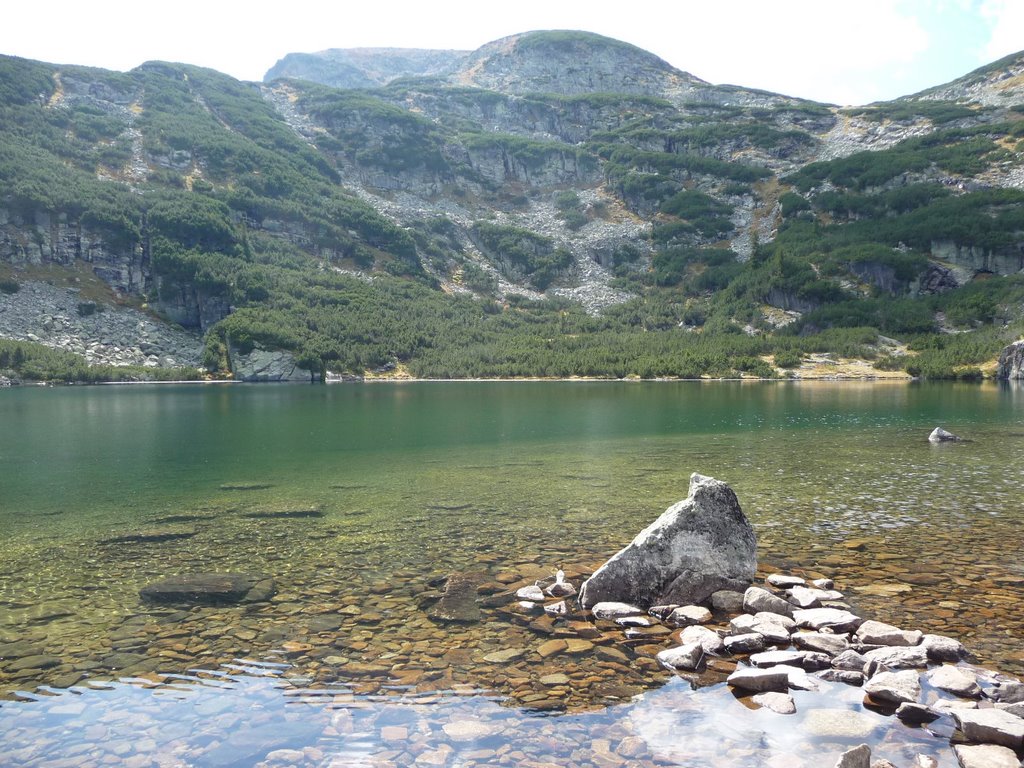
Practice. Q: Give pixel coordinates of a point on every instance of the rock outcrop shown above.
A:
(1011, 362)
(940, 435)
(699, 546)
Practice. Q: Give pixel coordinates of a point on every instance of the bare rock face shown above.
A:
(1011, 362)
(699, 546)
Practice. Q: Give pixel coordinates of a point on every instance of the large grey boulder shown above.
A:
(1011, 362)
(699, 546)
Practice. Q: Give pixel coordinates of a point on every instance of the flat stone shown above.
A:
(894, 687)
(150, 537)
(751, 679)
(955, 680)
(686, 615)
(771, 658)
(858, 757)
(751, 642)
(781, 703)
(210, 589)
(38, 661)
(634, 621)
(833, 618)
(576, 645)
(821, 642)
(985, 756)
(845, 676)
(556, 609)
(686, 657)
(942, 648)
(899, 657)
(991, 726)
(458, 603)
(1007, 691)
(708, 639)
(504, 656)
(532, 592)
(850, 660)
(783, 581)
(394, 733)
(469, 730)
(558, 678)
(879, 633)
(839, 723)
(552, 647)
(756, 600)
(612, 610)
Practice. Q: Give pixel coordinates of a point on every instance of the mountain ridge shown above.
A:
(578, 231)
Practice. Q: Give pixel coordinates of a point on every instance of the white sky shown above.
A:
(843, 52)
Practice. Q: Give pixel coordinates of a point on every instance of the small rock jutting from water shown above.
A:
(697, 547)
(939, 435)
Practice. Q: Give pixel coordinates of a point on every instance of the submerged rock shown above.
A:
(991, 726)
(697, 547)
(458, 603)
(858, 757)
(210, 589)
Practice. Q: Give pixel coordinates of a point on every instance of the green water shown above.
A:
(417, 480)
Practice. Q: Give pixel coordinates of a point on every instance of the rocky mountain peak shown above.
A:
(568, 62)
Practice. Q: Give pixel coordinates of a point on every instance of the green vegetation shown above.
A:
(24, 360)
(521, 251)
(939, 112)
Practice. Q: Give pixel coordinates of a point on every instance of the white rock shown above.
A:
(708, 639)
(634, 621)
(991, 726)
(781, 703)
(823, 643)
(942, 648)
(685, 657)
(985, 756)
(613, 610)
(685, 615)
(894, 687)
(532, 592)
(858, 757)
(939, 435)
(756, 600)
(839, 723)
(752, 642)
(955, 680)
(850, 660)
(823, 583)
(469, 730)
(798, 678)
(879, 633)
(556, 609)
(899, 657)
(771, 658)
(820, 618)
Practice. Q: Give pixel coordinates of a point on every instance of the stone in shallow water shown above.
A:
(991, 726)
(940, 435)
(899, 657)
(879, 633)
(839, 723)
(634, 621)
(751, 642)
(504, 656)
(38, 661)
(469, 730)
(781, 703)
(833, 618)
(954, 680)
(942, 648)
(685, 657)
(532, 592)
(894, 687)
(782, 581)
(820, 642)
(151, 537)
(916, 714)
(757, 600)
(458, 603)
(750, 679)
(858, 757)
(283, 514)
(696, 547)
(772, 658)
(1007, 691)
(613, 610)
(708, 639)
(727, 601)
(210, 589)
(985, 756)
(685, 615)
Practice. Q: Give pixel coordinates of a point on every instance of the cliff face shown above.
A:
(364, 67)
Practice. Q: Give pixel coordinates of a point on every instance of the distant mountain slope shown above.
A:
(364, 67)
(555, 203)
